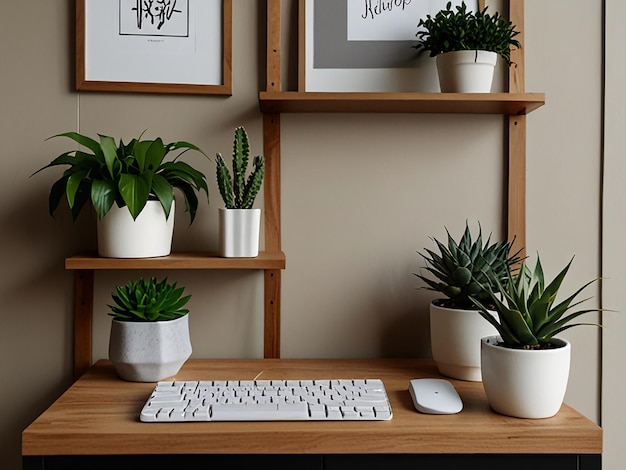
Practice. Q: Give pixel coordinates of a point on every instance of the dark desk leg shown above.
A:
(32, 463)
(590, 462)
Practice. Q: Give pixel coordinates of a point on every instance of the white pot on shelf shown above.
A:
(149, 235)
(149, 351)
(239, 231)
(455, 336)
(525, 383)
(466, 71)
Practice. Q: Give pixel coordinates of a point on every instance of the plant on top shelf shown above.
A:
(527, 315)
(459, 29)
(237, 191)
(125, 174)
(148, 301)
(467, 268)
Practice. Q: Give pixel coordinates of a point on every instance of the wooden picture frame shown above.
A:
(154, 46)
(363, 47)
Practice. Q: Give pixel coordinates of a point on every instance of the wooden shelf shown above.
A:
(358, 102)
(192, 260)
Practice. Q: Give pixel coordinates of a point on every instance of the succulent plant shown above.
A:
(148, 301)
(125, 174)
(527, 315)
(237, 191)
(460, 30)
(467, 268)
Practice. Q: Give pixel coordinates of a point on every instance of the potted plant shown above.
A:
(239, 222)
(525, 367)
(459, 271)
(466, 45)
(131, 187)
(149, 338)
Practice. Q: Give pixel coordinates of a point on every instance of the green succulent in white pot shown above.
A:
(239, 222)
(130, 187)
(149, 338)
(525, 367)
(459, 270)
(466, 42)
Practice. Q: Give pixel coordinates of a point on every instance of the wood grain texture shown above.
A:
(99, 415)
(365, 102)
(83, 319)
(273, 52)
(188, 260)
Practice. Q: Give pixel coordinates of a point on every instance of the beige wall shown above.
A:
(361, 195)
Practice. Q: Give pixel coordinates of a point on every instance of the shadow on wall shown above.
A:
(36, 299)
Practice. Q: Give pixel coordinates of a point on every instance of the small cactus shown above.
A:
(236, 191)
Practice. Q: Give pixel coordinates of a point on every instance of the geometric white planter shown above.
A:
(455, 336)
(239, 232)
(149, 351)
(525, 383)
(466, 71)
(148, 236)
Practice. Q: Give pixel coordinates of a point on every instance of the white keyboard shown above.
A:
(268, 400)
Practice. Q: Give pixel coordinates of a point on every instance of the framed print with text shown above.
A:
(154, 46)
(365, 45)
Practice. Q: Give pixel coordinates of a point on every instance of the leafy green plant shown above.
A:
(126, 174)
(148, 301)
(467, 268)
(528, 317)
(237, 191)
(458, 30)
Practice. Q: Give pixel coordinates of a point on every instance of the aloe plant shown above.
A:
(237, 191)
(148, 301)
(125, 174)
(458, 30)
(528, 317)
(467, 268)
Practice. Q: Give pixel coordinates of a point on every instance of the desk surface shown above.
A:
(99, 415)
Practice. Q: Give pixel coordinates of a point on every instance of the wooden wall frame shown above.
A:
(197, 83)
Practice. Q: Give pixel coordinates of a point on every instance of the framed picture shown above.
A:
(365, 45)
(154, 46)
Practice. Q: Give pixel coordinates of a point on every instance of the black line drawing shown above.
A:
(156, 11)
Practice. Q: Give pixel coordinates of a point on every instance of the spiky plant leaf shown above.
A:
(527, 316)
(467, 268)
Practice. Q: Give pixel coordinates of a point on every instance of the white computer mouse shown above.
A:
(435, 396)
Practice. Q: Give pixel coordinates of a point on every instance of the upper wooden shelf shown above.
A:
(359, 102)
(193, 260)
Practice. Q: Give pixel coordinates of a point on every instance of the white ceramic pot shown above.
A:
(149, 351)
(239, 231)
(525, 383)
(455, 336)
(466, 71)
(148, 236)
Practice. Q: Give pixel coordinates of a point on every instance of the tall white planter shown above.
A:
(149, 351)
(239, 231)
(149, 235)
(455, 336)
(466, 71)
(525, 383)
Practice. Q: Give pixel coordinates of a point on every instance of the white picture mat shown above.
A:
(195, 59)
(420, 76)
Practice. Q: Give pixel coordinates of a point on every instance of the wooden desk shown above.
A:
(99, 416)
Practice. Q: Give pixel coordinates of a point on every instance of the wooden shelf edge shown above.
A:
(183, 260)
(360, 102)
